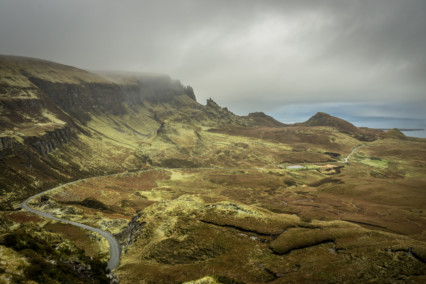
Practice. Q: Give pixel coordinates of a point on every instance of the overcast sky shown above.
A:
(271, 56)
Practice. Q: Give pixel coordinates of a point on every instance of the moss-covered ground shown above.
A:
(365, 222)
(198, 192)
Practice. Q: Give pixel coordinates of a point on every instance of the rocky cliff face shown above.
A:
(6, 143)
(131, 232)
(20, 111)
(81, 100)
(51, 140)
(154, 89)
(61, 123)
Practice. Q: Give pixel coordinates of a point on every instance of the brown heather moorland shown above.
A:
(194, 191)
(269, 224)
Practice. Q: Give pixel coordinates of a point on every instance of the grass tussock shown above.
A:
(260, 222)
(49, 259)
(298, 238)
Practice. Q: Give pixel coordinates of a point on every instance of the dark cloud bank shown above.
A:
(355, 58)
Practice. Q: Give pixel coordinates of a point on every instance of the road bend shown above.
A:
(350, 154)
(114, 246)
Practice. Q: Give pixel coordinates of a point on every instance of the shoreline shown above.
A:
(402, 129)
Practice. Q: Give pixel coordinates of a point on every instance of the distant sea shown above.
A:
(418, 133)
(390, 122)
(371, 122)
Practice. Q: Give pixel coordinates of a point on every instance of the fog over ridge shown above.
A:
(247, 55)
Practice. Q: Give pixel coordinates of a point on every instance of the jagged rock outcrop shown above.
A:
(20, 111)
(153, 88)
(131, 232)
(82, 100)
(190, 92)
(6, 143)
(215, 112)
(51, 140)
(45, 106)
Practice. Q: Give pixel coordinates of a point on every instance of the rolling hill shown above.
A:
(193, 191)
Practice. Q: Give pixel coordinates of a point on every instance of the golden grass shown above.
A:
(215, 222)
(299, 238)
(79, 237)
(11, 263)
(11, 74)
(223, 220)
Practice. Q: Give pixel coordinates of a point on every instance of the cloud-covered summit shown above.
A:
(249, 55)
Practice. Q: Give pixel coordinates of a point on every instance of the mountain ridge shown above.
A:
(67, 123)
(194, 190)
(47, 106)
(325, 119)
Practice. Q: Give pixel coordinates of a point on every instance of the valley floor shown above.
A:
(364, 221)
(192, 191)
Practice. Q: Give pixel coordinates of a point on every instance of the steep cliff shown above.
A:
(155, 88)
(44, 144)
(60, 123)
(6, 143)
(81, 100)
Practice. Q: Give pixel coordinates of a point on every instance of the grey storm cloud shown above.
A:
(247, 55)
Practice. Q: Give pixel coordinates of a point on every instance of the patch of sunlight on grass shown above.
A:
(179, 175)
(373, 161)
(47, 114)
(156, 194)
(302, 167)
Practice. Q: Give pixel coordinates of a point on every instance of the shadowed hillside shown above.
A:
(59, 123)
(324, 119)
(193, 191)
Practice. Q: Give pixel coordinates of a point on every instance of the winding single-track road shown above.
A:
(114, 246)
(344, 160)
(350, 154)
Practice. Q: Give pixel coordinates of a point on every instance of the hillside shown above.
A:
(324, 119)
(63, 123)
(193, 191)
(265, 120)
(393, 133)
